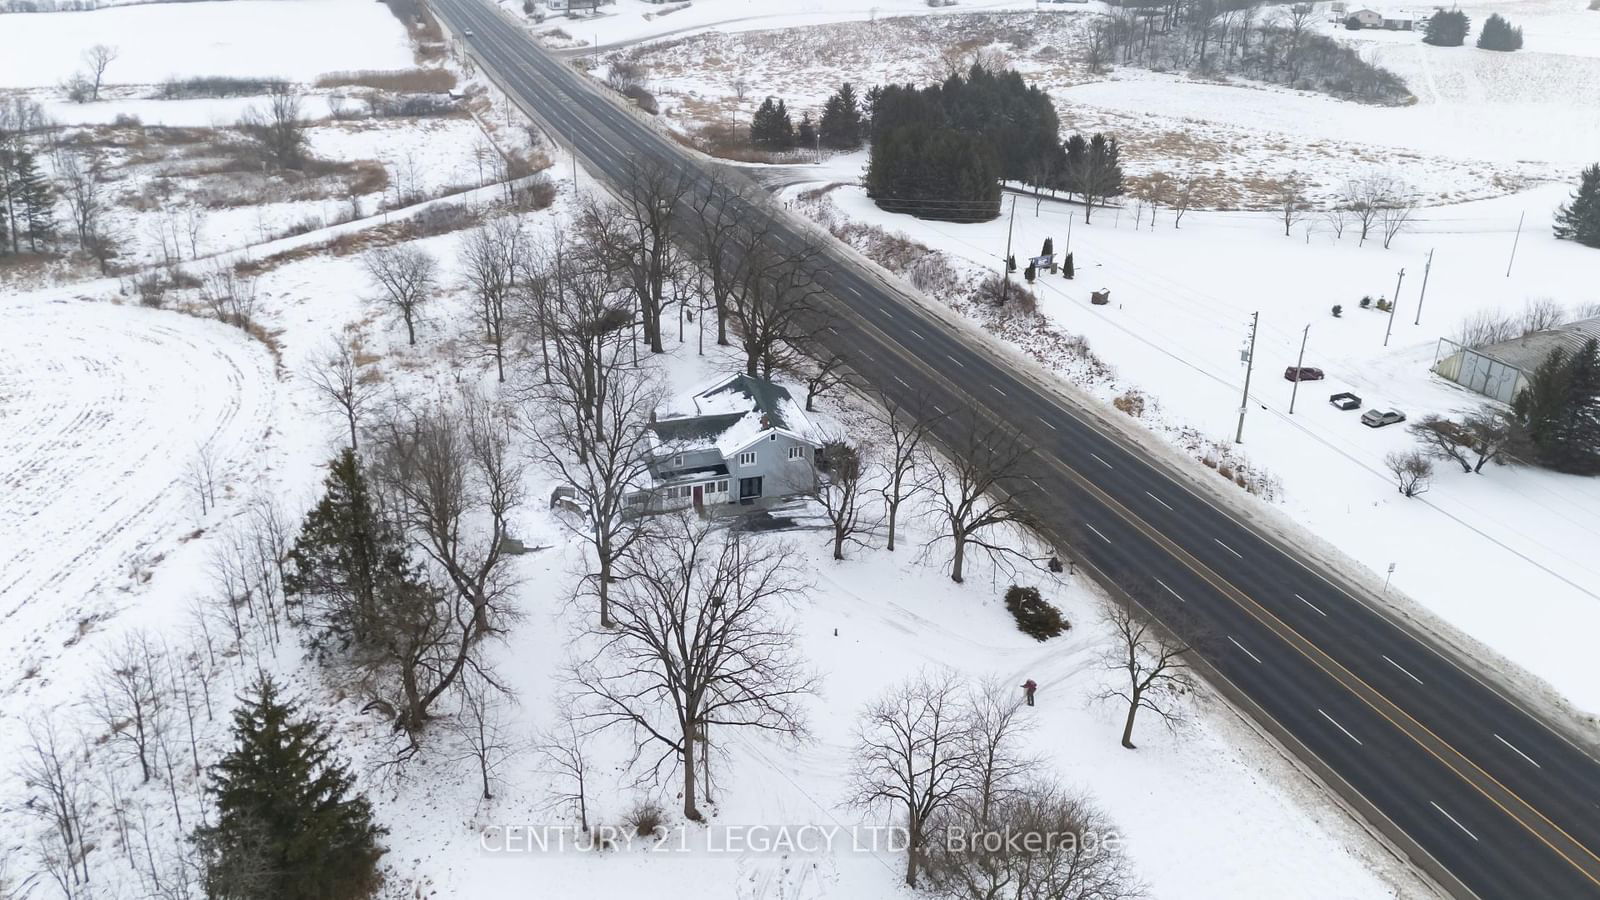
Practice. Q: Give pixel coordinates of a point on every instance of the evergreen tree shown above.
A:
(771, 127)
(1067, 267)
(869, 109)
(806, 136)
(289, 823)
(840, 125)
(1559, 410)
(1498, 34)
(1447, 28)
(37, 200)
(1580, 220)
(1049, 247)
(1093, 170)
(346, 561)
(8, 198)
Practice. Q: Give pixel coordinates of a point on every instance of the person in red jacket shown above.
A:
(1028, 687)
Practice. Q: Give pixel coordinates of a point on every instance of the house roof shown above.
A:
(732, 412)
(1528, 351)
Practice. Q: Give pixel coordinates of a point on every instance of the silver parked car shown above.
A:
(1377, 418)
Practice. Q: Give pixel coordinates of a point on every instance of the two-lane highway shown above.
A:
(1484, 797)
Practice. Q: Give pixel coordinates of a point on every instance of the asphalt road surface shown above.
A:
(1481, 795)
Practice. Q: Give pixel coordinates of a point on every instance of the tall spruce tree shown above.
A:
(771, 126)
(1580, 220)
(1446, 28)
(37, 200)
(289, 824)
(806, 134)
(347, 560)
(840, 126)
(1560, 410)
(1498, 34)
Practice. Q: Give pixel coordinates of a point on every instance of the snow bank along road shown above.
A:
(95, 404)
(1479, 793)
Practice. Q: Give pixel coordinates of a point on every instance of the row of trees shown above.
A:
(1248, 38)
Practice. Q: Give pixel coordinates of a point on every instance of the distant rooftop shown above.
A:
(731, 411)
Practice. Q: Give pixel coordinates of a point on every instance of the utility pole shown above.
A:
(1005, 263)
(1420, 297)
(1393, 304)
(1249, 367)
(1514, 242)
(1297, 368)
(1070, 216)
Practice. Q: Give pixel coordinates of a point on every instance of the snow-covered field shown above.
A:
(293, 39)
(1181, 303)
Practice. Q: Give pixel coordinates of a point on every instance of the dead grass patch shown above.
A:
(431, 80)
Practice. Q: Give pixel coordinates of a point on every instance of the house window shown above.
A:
(722, 487)
(747, 458)
(797, 453)
(677, 461)
(671, 493)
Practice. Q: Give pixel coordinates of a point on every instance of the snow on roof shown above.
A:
(731, 412)
(1528, 351)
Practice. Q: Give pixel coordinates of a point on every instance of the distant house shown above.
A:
(1501, 370)
(736, 440)
(1371, 18)
(571, 6)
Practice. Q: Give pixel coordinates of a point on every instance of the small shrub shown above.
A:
(1366, 302)
(1035, 617)
(1131, 403)
(642, 98)
(1225, 470)
(1337, 310)
(647, 818)
(1383, 306)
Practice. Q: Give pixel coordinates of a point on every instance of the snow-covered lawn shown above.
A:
(1181, 303)
(293, 39)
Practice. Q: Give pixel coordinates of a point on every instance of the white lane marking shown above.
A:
(1310, 604)
(1517, 752)
(916, 335)
(1047, 422)
(1260, 663)
(1097, 532)
(1158, 500)
(996, 389)
(1102, 462)
(1453, 820)
(1171, 591)
(937, 409)
(1346, 731)
(1401, 668)
(833, 330)
(956, 361)
(1229, 549)
(902, 381)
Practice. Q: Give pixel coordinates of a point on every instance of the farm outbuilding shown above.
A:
(1500, 371)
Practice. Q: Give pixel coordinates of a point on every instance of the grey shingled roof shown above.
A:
(763, 395)
(1528, 351)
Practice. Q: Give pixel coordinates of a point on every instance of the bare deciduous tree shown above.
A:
(480, 726)
(1411, 469)
(407, 276)
(1291, 200)
(979, 493)
(565, 750)
(590, 420)
(493, 257)
(279, 131)
(341, 384)
(51, 770)
(776, 301)
(129, 700)
(903, 453)
(698, 644)
(637, 235)
(1152, 669)
(98, 58)
(839, 489)
(201, 475)
(1395, 216)
(912, 756)
(1366, 197)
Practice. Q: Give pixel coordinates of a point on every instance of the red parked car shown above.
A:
(1302, 373)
